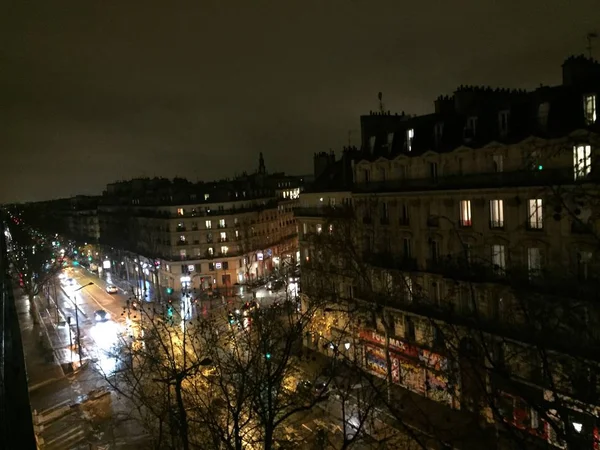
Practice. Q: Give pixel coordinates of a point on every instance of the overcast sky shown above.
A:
(99, 91)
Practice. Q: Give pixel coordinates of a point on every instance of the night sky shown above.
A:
(99, 91)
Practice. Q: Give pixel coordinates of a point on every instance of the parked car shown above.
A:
(111, 289)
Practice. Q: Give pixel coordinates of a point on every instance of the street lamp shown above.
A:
(77, 319)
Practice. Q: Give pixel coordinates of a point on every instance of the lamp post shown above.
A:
(77, 319)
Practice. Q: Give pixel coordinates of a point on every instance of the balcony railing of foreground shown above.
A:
(546, 177)
(16, 424)
(342, 212)
(492, 322)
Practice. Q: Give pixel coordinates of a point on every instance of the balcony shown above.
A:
(384, 220)
(325, 211)
(181, 229)
(223, 240)
(496, 225)
(534, 225)
(182, 243)
(390, 261)
(465, 223)
(544, 177)
(433, 222)
(459, 268)
(404, 222)
(222, 225)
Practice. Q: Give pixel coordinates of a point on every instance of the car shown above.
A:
(101, 315)
(111, 289)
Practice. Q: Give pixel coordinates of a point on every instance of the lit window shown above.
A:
(319, 228)
(206, 196)
(408, 289)
(180, 211)
(330, 228)
(223, 236)
(211, 251)
(208, 224)
(534, 261)
(465, 213)
(221, 223)
(498, 258)
(182, 253)
(235, 221)
(305, 228)
(191, 267)
(589, 108)
(582, 160)
(224, 250)
(496, 213)
(498, 161)
(182, 238)
(237, 233)
(535, 219)
(410, 134)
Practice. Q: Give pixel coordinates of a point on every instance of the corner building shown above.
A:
(462, 247)
(179, 235)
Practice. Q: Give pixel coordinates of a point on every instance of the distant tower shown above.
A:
(381, 107)
(261, 164)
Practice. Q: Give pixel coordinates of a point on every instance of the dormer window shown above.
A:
(471, 127)
(372, 143)
(542, 117)
(503, 117)
(410, 134)
(589, 108)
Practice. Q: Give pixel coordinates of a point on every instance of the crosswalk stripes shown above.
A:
(66, 440)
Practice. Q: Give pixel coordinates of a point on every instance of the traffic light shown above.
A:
(89, 258)
(231, 318)
(169, 291)
(170, 311)
(268, 356)
(75, 251)
(75, 263)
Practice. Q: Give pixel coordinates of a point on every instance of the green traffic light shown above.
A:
(89, 258)
(268, 356)
(169, 290)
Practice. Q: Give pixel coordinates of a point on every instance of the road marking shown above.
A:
(305, 426)
(77, 433)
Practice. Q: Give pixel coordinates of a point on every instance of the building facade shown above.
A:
(474, 230)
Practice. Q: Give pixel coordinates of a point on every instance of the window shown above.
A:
(191, 268)
(237, 233)
(433, 171)
(498, 258)
(305, 228)
(332, 202)
(390, 140)
(534, 261)
(404, 218)
(409, 328)
(496, 213)
(410, 134)
(434, 251)
(535, 221)
(182, 254)
(503, 122)
(498, 163)
(180, 225)
(582, 160)
(406, 248)
(372, 143)
(584, 259)
(206, 196)
(367, 176)
(211, 251)
(209, 237)
(465, 213)
(224, 250)
(385, 214)
(319, 228)
(330, 228)
(542, 117)
(182, 238)
(236, 221)
(208, 224)
(589, 108)
(221, 223)
(223, 236)
(471, 127)
(180, 211)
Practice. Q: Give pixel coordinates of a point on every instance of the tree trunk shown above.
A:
(183, 425)
(388, 361)
(33, 308)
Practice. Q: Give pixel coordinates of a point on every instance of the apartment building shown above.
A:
(475, 231)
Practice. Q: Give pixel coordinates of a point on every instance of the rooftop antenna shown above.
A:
(381, 108)
(591, 35)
